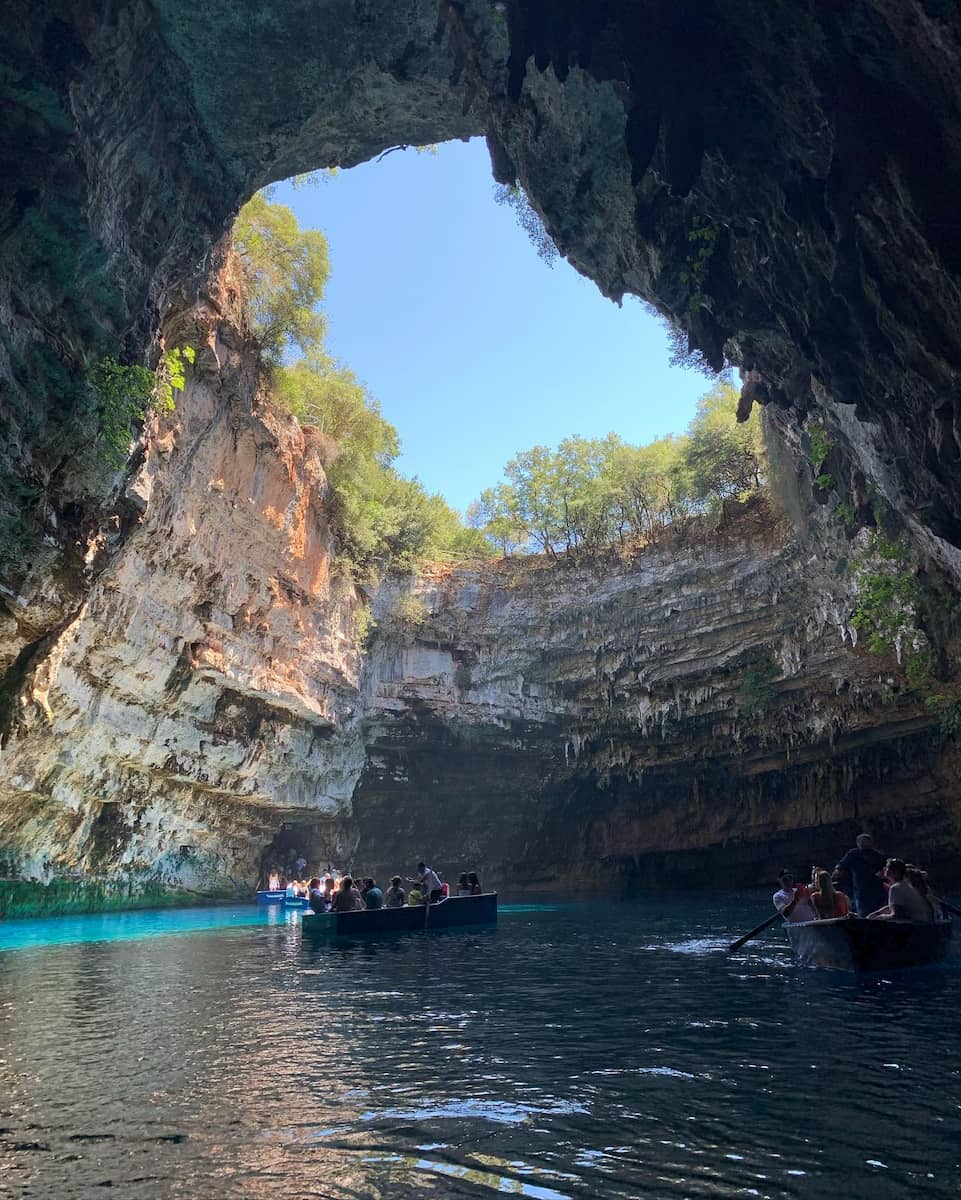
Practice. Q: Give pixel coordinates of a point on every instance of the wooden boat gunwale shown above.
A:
(452, 913)
(856, 944)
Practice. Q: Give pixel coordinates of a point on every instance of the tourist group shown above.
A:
(881, 889)
(336, 892)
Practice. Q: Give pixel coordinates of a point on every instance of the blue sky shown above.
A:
(475, 348)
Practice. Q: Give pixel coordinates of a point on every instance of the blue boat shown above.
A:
(268, 896)
(445, 914)
(296, 902)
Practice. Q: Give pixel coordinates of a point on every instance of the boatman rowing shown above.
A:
(429, 882)
(793, 900)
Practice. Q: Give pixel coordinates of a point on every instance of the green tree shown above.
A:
(529, 219)
(323, 394)
(533, 479)
(381, 519)
(725, 457)
(652, 488)
(592, 493)
(495, 516)
(286, 269)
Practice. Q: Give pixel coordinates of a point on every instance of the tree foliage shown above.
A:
(724, 456)
(529, 219)
(593, 493)
(381, 519)
(286, 269)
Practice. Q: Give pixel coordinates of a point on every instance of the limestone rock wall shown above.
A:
(779, 178)
(694, 715)
(179, 672)
(208, 683)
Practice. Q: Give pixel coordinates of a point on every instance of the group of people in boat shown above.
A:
(882, 889)
(333, 891)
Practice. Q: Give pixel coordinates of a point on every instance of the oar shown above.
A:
(950, 907)
(753, 933)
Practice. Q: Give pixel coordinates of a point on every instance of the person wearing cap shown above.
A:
(793, 899)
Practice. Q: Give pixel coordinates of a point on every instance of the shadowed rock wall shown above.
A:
(780, 178)
(693, 716)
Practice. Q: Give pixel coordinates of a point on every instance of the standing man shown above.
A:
(793, 900)
(862, 865)
(429, 882)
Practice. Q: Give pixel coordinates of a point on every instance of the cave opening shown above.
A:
(473, 346)
(677, 153)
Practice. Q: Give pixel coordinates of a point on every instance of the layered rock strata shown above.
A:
(693, 716)
(207, 686)
(180, 674)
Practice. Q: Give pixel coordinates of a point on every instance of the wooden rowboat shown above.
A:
(852, 944)
(446, 914)
(268, 896)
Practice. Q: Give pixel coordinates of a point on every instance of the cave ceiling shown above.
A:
(781, 179)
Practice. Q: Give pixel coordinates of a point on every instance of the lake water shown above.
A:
(595, 1050)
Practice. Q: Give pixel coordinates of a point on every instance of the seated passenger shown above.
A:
(347, 898)
(793, 899)
(463, 887)
(918, 879)
(396, 897)
(290, 891)
(904, 903)
(316, 896)
(828, 901)
(474, 884)
(415, 895)
(373, 896)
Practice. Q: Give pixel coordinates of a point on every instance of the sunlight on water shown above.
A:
(28, 932)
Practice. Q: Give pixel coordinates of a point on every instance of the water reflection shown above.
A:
(583, 1051)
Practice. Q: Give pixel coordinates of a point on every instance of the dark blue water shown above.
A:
(581, 1051)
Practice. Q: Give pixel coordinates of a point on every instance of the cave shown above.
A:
(809, 150)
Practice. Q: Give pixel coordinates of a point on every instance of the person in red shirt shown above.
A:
(827, 900)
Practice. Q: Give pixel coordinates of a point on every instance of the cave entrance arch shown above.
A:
(133, 137)
(822, 182)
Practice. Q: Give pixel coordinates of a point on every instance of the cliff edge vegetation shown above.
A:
(381, 520)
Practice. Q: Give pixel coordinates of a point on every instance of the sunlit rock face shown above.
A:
(781, 179)
(179, 670)
(208, 684)
(693, 716)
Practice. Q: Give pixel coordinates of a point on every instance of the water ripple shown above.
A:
(576, 1051)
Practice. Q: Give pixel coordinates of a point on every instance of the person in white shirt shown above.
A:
(792, 900)
(905, 903)
(429, 881)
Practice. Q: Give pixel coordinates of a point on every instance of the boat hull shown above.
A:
(849, 944)
(300, 902)
(446, 914)
(266, 896)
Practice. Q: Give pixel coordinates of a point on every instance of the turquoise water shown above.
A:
(574, 1051)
